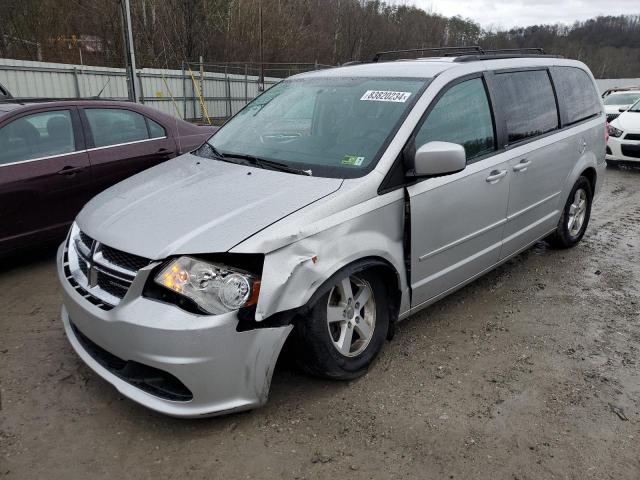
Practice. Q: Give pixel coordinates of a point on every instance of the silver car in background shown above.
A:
(335, 204)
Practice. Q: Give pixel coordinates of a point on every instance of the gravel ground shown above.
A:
(531, 372)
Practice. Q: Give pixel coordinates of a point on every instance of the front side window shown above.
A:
(462, 116)
(576, 93)
(113, 126)
(334, 127)
(37, 136)
(621, 99)
(528, 103)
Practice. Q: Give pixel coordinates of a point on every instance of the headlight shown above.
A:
(216, 288)
(615, 132)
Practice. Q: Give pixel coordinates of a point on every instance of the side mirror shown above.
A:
(439, 158)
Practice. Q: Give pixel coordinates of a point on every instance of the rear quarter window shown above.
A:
(528, 103)
(577, 94)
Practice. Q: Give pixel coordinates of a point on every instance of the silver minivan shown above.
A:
(333, 205)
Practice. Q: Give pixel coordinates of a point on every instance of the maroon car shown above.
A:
(56, 155)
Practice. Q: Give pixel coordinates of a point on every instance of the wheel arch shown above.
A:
(380, 266)
(591, 175)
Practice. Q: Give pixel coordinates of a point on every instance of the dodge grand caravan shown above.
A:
(335, 204)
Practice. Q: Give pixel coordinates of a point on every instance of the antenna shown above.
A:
(103, 88)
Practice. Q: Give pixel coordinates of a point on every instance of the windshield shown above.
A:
(334, 127)
(622, 98)
(635, 107)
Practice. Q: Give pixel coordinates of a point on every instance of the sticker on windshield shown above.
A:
(385, 96)
(353, 160)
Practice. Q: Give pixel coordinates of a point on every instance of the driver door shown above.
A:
(457, 220)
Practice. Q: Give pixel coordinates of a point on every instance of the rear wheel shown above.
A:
(345, 329)
(575, 216)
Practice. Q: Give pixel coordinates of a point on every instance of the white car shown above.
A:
(617, 102)
(624, 137)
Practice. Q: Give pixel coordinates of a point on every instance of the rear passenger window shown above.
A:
(112, 126)
(155, 129)
(528, 103)
(576, 93)
(37, 136)
(462, 116)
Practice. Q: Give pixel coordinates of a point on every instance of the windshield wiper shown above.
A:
(268, 164)
(216, 154)
(214, 150)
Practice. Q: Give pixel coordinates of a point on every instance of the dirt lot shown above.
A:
(531, 372)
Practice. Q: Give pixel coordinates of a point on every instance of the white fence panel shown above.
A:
(169, 91)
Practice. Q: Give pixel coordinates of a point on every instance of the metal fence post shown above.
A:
(184, 93)
(202, 89)
(76, 82)
(228, 108)
(246, 84)
(141, 97)
(194, 98)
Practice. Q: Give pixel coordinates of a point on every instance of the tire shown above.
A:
(320, 339)
(613, 164)
(575, 216)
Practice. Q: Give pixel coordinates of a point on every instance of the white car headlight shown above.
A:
(216, 288)
(615, 132)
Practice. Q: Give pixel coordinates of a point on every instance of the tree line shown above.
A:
(167, 32)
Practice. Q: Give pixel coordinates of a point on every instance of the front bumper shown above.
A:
(224, 370)
(615, 146)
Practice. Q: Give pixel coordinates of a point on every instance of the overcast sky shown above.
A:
(509, 13)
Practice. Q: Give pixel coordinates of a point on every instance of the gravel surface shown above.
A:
(531, 372)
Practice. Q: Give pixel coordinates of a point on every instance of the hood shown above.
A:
(628, 122)
(193, 205)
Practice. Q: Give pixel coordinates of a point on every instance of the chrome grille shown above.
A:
(98, 272)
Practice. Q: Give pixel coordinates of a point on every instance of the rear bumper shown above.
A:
(622, 150)
(222, 369)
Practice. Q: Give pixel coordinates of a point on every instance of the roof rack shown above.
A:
(473, 53)
(448, 51)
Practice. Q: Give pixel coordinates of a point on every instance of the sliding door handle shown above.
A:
(522, 166)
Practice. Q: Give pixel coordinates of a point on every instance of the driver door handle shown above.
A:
(522, 166)
(496, 176)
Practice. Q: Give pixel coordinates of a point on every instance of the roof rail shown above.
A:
(472, 53)
(477, 58)
(448, 51)
(528, 50)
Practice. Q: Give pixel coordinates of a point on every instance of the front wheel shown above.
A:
(345, 329)
(575, 216)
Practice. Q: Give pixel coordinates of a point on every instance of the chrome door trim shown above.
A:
(75, 152)
(93, 149)
(42, 158)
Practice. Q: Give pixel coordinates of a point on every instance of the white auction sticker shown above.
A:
(385, 96)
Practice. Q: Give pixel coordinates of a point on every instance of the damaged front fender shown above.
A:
(294, 272)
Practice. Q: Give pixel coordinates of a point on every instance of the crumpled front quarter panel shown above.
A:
(293, 273)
